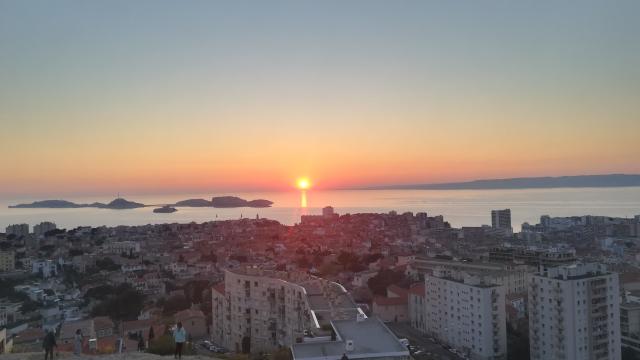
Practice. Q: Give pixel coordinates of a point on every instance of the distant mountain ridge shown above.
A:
(579, 181)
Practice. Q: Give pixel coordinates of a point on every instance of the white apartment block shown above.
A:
(574, 313)
(17, 229)
(258, 310)
(630, 324)
(43, 227)
(466, 312)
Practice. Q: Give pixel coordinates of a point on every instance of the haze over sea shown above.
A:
(459, 207)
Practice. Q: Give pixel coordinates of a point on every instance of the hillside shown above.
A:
(581, 181)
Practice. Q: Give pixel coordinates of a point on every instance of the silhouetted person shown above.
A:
(140, 343)
(48, 344)
(344, 357)
(179, 336)
(77, 343)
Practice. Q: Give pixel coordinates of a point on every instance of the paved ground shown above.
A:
(428, 349)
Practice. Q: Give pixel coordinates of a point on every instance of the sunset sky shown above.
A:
(143, 96)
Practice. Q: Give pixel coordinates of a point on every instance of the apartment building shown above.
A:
(467, 312)
(630, 324)
(574, 313)
(7, 261)
(261, 310)
(501, 219)
(43, 227)
(17, 230)
(417, 307)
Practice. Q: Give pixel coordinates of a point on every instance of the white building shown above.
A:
(467, 313)
(45, 267)
(43, 227)
(258, 310)
(17, 229)
(361, 338)
(574, 313)
(630, 323)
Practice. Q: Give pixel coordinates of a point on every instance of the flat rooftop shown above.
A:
(371, 339)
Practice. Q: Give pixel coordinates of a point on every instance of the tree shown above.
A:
(124, 304)
(107, 264)
(175, 304)
(379, 283)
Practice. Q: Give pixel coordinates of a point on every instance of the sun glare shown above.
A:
(303, 184)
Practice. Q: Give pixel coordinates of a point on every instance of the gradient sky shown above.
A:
(143, 96)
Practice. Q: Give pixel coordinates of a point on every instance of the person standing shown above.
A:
(77, 343)
(48, 344)
(179, 336)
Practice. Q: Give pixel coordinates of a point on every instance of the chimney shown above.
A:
(349, 346)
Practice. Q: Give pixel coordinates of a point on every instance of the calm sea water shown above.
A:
(459, 207)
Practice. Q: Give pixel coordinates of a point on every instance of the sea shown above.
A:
(459, 207)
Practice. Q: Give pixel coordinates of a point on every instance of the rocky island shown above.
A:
(233, 201)
(165, 210)
(116, 204)
(123, 204)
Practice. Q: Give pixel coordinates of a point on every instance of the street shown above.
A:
(429, 350)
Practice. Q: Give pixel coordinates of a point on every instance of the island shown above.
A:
(194, 203)
(116, 204)
(123, 204)
(233, 201)
(165, 210)
(225, 202)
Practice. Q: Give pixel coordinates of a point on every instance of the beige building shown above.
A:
(194, 323)
(416, 303)
(393, 307)
(7, 261)
(258, 310)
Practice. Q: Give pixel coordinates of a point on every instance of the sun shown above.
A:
(303, 183)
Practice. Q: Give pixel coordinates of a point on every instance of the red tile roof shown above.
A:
(418, 289)
(389, 301)
(219, 288)
(397, 290)
(188, 314)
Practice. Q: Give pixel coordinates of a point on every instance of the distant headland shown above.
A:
(580, 181)
(123, 204)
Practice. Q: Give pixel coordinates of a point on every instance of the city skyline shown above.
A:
(165, 97)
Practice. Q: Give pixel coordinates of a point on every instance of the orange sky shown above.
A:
(218, 96)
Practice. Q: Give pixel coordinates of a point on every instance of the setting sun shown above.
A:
(303, 183)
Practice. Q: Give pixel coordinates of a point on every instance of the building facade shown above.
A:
(467, 313)
(17, 229)
(574, 313)
(417, 316)
(501, 219)
(259, 310)
(7, 261)
(43, 227)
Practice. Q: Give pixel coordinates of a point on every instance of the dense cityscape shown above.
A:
(362, 285)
